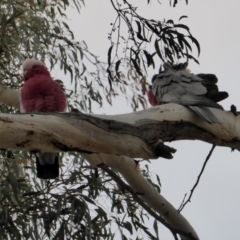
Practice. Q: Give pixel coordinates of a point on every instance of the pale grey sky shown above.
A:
(214, 211)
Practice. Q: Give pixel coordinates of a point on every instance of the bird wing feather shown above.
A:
(182, 88)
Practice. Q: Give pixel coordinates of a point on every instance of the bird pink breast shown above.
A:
(151, 98)
(41, 93)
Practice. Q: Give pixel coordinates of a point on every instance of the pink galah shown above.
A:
(40, 93)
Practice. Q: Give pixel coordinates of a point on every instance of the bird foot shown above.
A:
(163, 151)
(233, 109)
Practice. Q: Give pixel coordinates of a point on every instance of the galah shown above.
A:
(40, 93)
(197, 92)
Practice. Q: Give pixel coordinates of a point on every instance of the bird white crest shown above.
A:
(29, 63)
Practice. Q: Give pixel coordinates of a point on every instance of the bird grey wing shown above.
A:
(177, 76)
(191, 100)
(190, 82)
(167, 87)
(205, 113)
(173, 93)
(194, 88)
(160, 84)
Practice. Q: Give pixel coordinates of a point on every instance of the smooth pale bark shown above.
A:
(139, 134)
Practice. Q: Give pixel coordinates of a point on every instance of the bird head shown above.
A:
(31, 67)
(181, 67)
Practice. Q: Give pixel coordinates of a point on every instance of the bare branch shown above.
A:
(198, 180)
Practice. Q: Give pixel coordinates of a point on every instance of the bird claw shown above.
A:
(234, 110)
(163, 151)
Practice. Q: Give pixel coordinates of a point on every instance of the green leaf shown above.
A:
(194, 40)
(155, 227)
(149, 58)
(182, 17)
(145, 229)
(31, 193)
(60, 233)
(128, 226)
(139, 35)
(187, 44)
(109, 55)
(88, 199)
(136, 66)
(14, 184)
(3, 23)
(170, 21)
(181, 26)
(117, 67)
(158, 50)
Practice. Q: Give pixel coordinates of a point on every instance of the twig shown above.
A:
(183, 204)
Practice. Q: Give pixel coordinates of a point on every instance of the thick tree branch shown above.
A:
(77, 132)
(140, 134)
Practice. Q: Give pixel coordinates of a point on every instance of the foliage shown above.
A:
(169, 41)
(82, 203)
(26, 32)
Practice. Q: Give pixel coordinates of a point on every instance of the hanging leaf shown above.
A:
(149, 58)
(139, 35)
(117, 67)
(158, 50)
(170, 21)
(109, 55)
(155, 227)
(182, 17)
(181, 26)
(136, 66)
(194, 40)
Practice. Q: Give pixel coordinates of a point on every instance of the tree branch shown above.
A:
(198, 179)
(139, 134)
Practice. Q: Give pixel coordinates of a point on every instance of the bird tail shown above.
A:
(210, 82)
(205, 113)
(47, 165)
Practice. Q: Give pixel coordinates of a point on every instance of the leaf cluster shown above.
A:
(83, 203)
(147, 41)
(39, 29)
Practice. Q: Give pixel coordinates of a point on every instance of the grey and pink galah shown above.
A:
(40, 93)
(197, 92)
